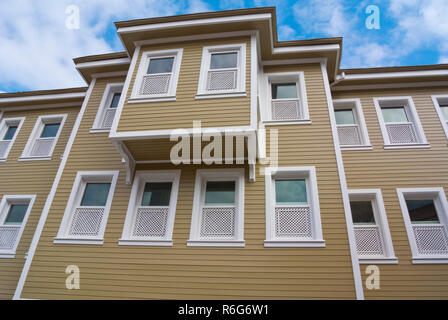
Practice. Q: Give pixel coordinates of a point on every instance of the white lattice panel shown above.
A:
(286, 110)
(108, 118)
(349, 135)
(86, 221)
(431, 239)
(218, 222)
(368, 240)
(42, 147)
(221, 80)
(3, 147)
(293, 222)
(400, 133)
(8, 237)
(150, 222)
(155, 84)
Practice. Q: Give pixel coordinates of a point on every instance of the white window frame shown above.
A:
(440, 202)
(412, 115)
(37, 130)
(240, 89)
(143, 68)
(141, 178)
(356, 107)
(379, 212)
(109, 92)
(5, 205)
(439, 100)
(82, 178)
(4, 125)
(288, 77)
(202, 176)
(309, 174)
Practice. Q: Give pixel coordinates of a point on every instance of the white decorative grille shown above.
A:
(218, 222)
(42, 147)
(400, 133)
(108, 119)
(293, 222)
(221, 80)
(86, 221)
(8, 237)
(3, 147)
(431, 239)
(155, 84)
(150, 222)
(368, 240)
(349, 135)
(286, 110)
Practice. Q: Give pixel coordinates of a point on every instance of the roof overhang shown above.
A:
(98, 65)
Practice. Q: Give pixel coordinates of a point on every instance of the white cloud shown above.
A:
(285, 32)
(443, 59)
(196, 6)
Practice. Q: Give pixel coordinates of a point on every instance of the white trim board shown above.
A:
(44, 97)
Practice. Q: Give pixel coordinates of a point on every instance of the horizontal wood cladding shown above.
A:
(29, 177)
(221, 112)
(408, 168)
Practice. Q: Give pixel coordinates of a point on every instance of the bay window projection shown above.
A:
(108, 107)
(352, 130)
(9, 128)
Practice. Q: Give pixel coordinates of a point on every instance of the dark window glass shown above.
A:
(220, 192)
(224, 60)
(422, 211)
(50, 130)
(10, 133)
(362, 212)
(290, 191)
(16, 214)
(115, 99)
(95, 194)
(160, 65)
(284, 91)
(157, 194)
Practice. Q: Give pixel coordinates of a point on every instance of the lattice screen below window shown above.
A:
(218, 222)
(401, 133)
(431, 239)
(349, 135)
(8, 237)
(293, 222)
(3, 147)
(150, 222)
(368, 240)
(86, 221)
(42, 147)
(108, 119)
(221, 80)
(286, 110)
(155, 84)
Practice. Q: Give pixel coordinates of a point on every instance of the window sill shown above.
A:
(34, 158)
(218, 95)
(356, 148)
(152, 99)
(216, 243)
(389, 260)
(407, 146)
(7, 255)
(150, 243)
(430, 260)
(78, 241)
(286, 122)
(99, 130)
(294, 243)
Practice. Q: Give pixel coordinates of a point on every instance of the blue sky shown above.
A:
(36, 48)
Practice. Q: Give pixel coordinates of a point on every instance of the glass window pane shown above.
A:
(422, 211)
(284, 91)
(160, 65)
(16, 214)
(220, 193)
(224, 60)
(115, 99)
(10, 133)
(444, 109)
(394, 114)
(50, 130)
(157, 194)
(290, 191)
(345, 117)
(362, 212)
(95, 194)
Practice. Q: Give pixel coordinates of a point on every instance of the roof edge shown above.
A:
(42, 92)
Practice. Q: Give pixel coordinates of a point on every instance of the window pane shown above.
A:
(224, 60)
(160, 65)
(362, 212)
(50, 130)
(95, 194)
(16, 214)
(290, 191)
(220, 192)
(157, 194)
(284, 91)
(115, 100)
(345, 117)
(394, 114)
(10, 133)
(422, 211)
(444, 109)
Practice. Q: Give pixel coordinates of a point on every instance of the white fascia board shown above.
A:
(44, 97)
(301, 49)
(103, 63)
(400, 74)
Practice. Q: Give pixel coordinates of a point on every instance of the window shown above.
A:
(218, 209)
(88, 207)
(425, 215)
(108, 107)
(14, 212)
(223, 71)
(351, 126)
(151, 210)
(399, 122)
(287, 97)
(9, 129)
(157, 76)
(441, 105)
(371, 229)
(43, 138)
(292, 208)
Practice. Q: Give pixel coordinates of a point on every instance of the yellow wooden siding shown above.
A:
(181, 113)
(29, 177)
(409, 168)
